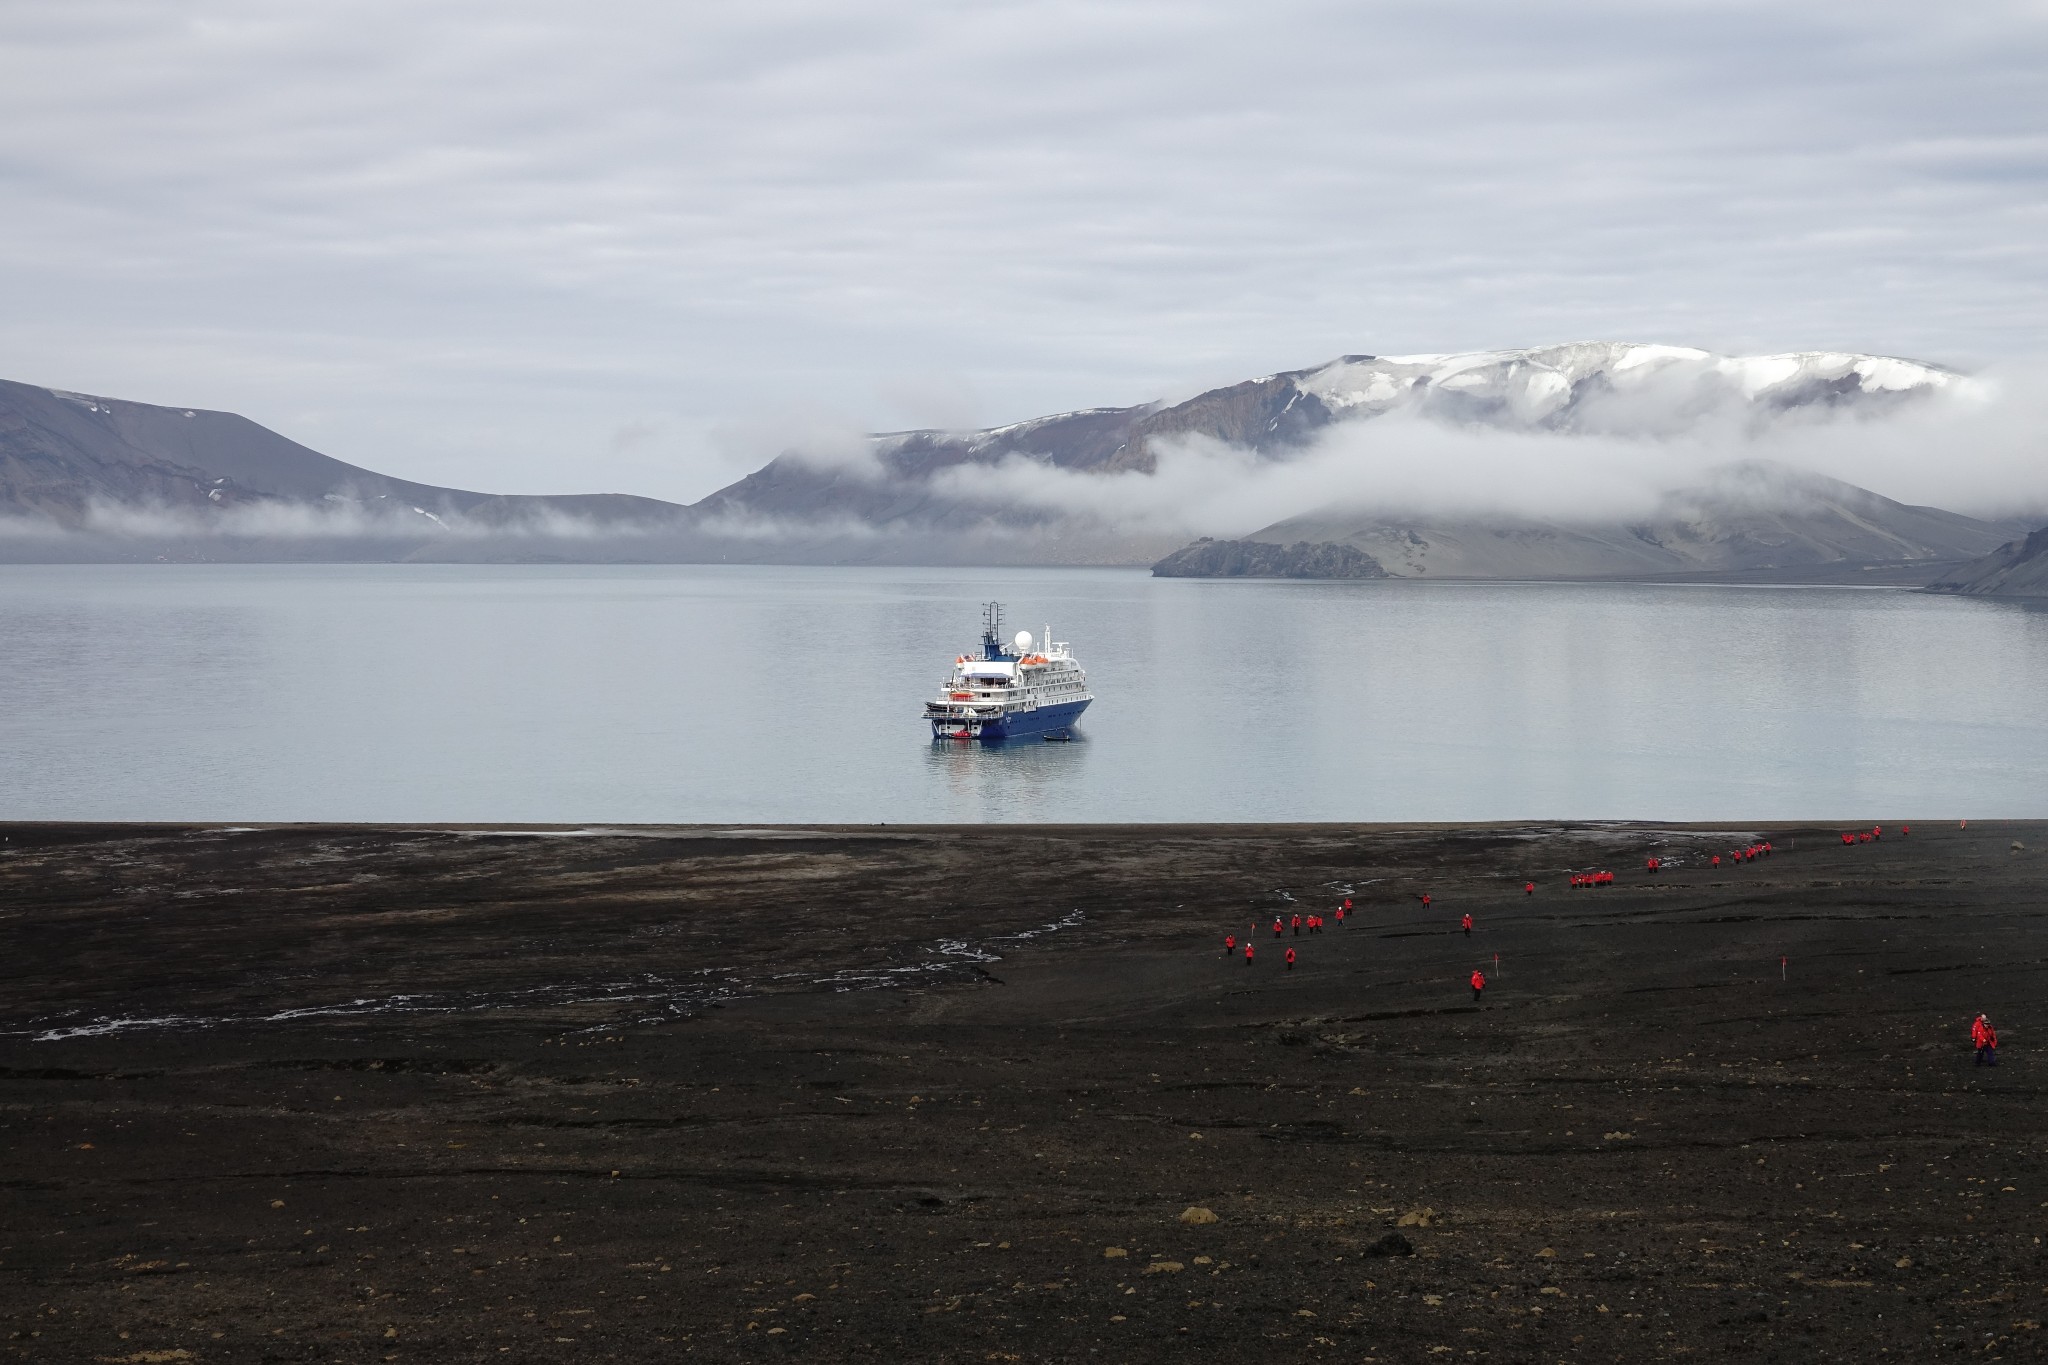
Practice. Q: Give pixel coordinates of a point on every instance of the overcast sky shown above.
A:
(619, 246)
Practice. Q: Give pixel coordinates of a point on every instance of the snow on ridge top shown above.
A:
(1635, 353)
(89, 401)
(1874, 373)
(987, 434)
(1883, 372)
(1540, 379)
(1540, 385)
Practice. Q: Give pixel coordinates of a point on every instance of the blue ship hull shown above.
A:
(1018, 724)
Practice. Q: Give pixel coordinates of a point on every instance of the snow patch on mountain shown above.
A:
(1545, 386)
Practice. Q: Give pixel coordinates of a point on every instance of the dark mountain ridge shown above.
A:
(119, 479)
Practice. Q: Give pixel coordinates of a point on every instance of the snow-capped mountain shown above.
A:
(1592, 387)
(1621, 387)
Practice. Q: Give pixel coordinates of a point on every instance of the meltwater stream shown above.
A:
(771, 695)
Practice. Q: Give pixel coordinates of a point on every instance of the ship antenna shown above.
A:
(992, 630)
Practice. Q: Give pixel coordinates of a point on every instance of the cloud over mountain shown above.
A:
(1588, 429)
(1586, 435)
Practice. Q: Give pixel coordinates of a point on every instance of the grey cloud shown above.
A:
(471, 242)
(630, 435)
(1977, 451)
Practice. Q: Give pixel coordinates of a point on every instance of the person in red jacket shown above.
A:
(1985, 1039)
(1650, 866)
(1247, 954)
(1528, 888)
(1468, 924)
(1425, 900)
(1478, 984)
(1290, 959)
(1229, 944)
(1297, 926)
(1340, 916)
(1278, 927)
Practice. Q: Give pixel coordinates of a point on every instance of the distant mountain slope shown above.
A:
(1751, 516)
(2016, 569)
(69, 458)
(1257, 559)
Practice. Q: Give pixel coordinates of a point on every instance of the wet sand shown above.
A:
(354, 1094)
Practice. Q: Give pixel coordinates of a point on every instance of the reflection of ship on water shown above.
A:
(1023, 780)
(1010, 691)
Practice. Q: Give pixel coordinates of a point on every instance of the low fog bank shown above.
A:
(115, 534)
(334, 521)
(1981, 451)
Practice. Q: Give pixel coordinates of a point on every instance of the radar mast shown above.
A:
(992, 631)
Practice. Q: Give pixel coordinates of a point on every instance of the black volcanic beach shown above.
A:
(974, 1093)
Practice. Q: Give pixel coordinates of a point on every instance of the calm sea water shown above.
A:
(749, 694)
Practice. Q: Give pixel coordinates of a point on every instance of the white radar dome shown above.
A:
(1023, 639)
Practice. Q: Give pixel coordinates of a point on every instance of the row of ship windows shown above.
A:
(1070, 687)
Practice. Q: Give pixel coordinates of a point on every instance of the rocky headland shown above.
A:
(1256, 559)
(2016, 569)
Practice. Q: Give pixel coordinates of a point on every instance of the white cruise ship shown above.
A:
(1018, 689)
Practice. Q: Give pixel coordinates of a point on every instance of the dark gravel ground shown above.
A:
(353, 1094)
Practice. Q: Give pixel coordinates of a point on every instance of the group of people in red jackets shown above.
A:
(1311, 922)
(1983, 1037)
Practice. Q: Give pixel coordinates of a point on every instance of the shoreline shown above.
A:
(741, 1091)
(765, 829)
